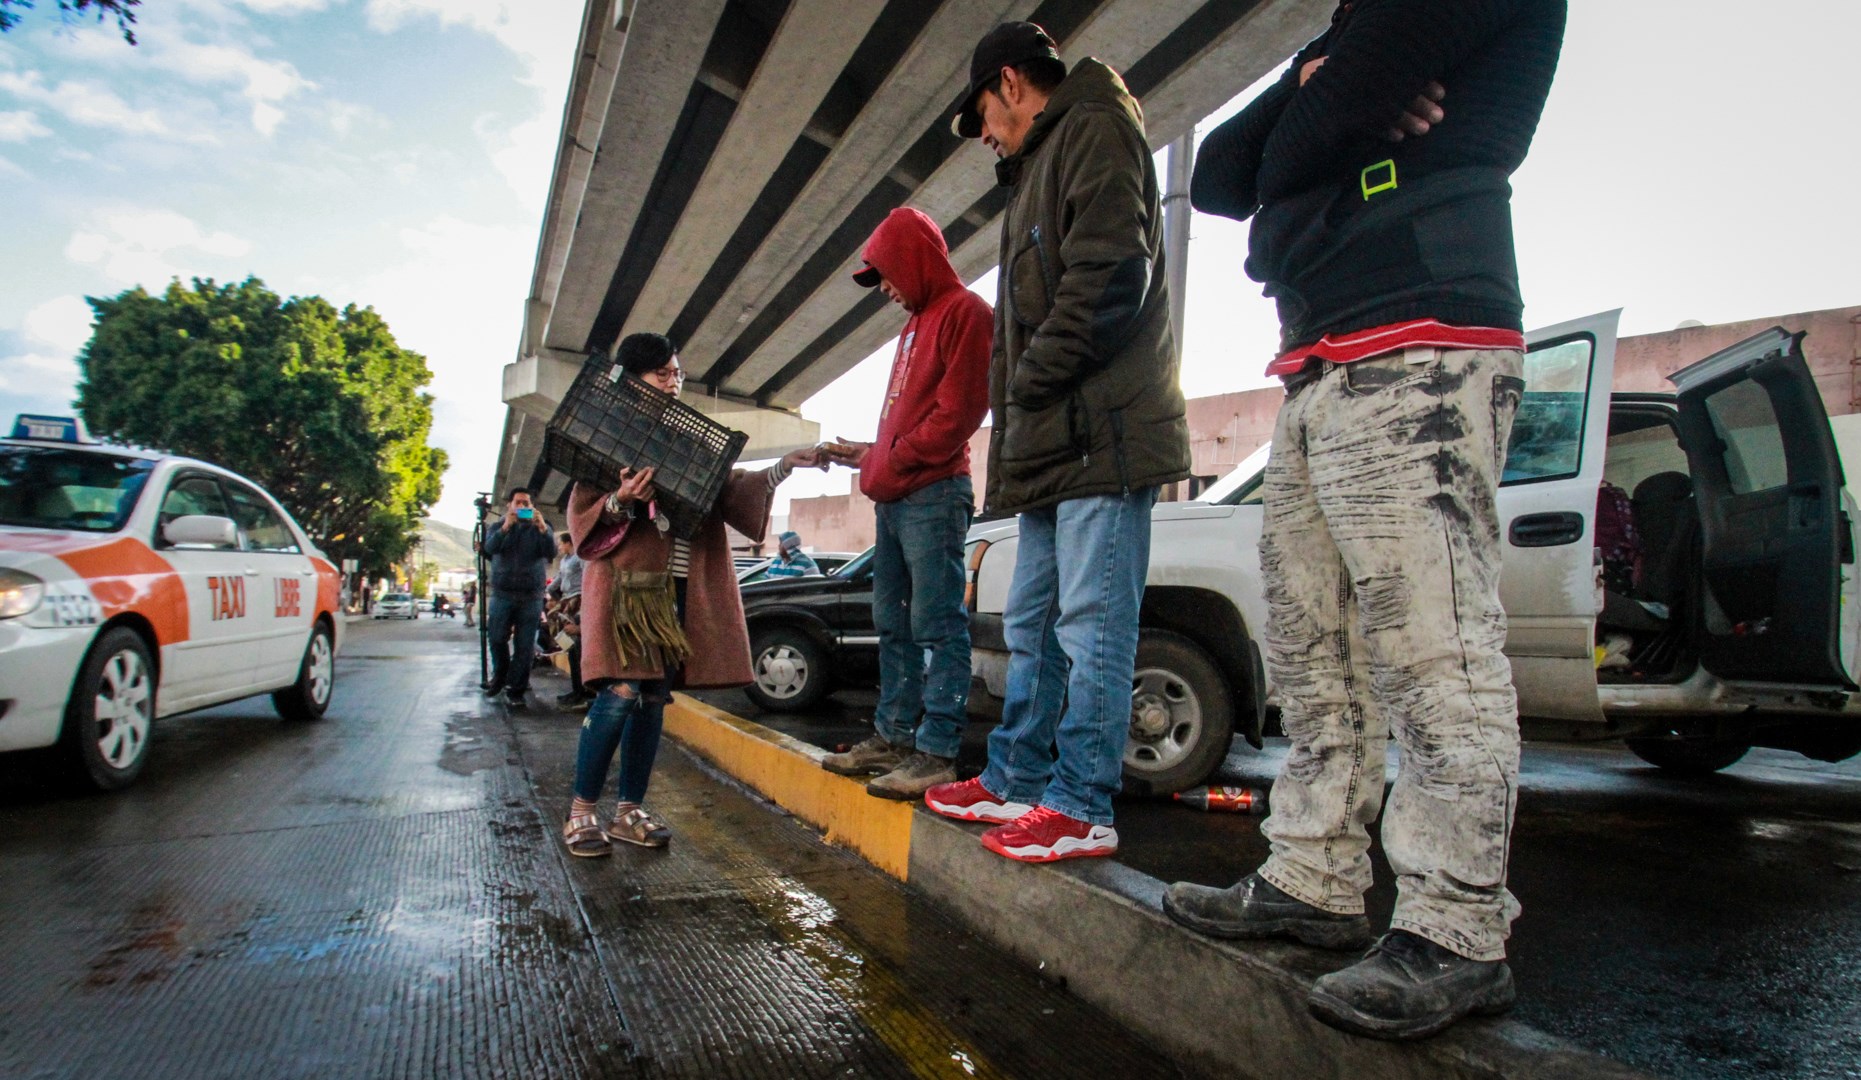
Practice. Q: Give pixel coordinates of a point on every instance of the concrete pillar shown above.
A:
(1176, 214)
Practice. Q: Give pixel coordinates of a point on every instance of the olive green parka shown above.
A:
(1084, 380)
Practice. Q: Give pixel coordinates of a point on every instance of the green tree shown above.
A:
(103, 9)
(323, 408)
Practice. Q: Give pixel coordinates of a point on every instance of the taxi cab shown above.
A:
(137, 585)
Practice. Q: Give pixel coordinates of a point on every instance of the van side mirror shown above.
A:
(201, 530)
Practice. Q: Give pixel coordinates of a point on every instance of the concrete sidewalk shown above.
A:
(1096, 927)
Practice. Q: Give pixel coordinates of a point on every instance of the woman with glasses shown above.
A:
(657, 612)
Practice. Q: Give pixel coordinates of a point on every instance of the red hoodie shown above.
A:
(939, 389)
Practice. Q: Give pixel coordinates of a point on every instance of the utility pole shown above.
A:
(1176, 214)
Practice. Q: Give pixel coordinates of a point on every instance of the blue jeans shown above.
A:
(511, 624)
(628, 724)
(917, 605)
(1071, 630)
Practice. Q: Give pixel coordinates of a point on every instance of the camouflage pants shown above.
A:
(1380, 557)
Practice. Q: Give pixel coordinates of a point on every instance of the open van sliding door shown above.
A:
(1768, 483)
(1547, 517)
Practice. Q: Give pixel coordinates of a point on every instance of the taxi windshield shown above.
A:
(55, 487)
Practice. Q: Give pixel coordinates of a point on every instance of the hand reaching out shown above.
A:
(808, 457)
(846, 452)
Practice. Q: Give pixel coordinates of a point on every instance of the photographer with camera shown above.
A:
(520, 547)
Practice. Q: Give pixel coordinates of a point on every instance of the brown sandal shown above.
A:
(582, 833)
(636, 825)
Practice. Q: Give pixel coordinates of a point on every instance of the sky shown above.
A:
(1695, 162)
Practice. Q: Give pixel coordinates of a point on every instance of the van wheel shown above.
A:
(788, 669)
(1684, 756)
(111, 713)
(1182, 715)
(309, 696)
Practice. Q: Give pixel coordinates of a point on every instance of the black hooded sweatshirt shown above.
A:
(1351, 231)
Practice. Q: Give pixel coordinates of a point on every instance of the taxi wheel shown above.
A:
(309, 696)
(112, 709)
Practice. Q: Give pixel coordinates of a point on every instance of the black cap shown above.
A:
(867, 276)
(1005, 46)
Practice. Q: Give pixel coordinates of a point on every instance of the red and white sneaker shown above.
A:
(1046, 835)
(968, 800)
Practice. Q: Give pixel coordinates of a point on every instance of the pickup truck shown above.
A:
(1739, 627)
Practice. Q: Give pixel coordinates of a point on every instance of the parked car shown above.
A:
(135, 586)
(397, 605)
(809, 636)
(828, 561)
(1740, 631)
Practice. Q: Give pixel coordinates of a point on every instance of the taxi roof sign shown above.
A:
(63, 429)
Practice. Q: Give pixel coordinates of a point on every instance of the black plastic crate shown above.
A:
(611, 420)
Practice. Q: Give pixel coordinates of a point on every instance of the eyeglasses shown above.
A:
(670, 371)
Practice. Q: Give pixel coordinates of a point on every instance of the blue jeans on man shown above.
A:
(1071, 630)
(511, 626)
(917, 605)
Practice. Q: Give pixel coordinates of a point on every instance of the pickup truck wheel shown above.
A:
(788, 669)
(1683, 756)
(1182, 715)
(112, 707)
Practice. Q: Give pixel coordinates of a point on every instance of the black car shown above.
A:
(810, 635)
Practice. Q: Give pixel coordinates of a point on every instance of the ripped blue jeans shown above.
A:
(627, 716)
(1380, 561)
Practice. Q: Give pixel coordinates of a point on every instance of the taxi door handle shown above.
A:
(308, 571)
(250, 572)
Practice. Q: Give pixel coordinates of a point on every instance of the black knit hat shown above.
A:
(1005, 46)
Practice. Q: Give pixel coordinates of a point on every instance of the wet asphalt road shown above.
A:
(1692, 928)
(382, 894)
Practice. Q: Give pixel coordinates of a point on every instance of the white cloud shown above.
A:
(344, 117)
(147, 247)
(542, 34)
(284, 7)
(7, 168)
(266, 83)
(84, 103)
(20, 126)
(39, 375)
(457, 299)
(62, 322)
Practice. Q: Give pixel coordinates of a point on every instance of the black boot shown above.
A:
(1408, 987)
(1253, 908)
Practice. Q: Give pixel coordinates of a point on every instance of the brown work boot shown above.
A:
(914, 776)
(870, 757)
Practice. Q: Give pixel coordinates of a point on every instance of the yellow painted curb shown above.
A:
(789, 772)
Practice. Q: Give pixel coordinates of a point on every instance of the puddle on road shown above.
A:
(467, 750)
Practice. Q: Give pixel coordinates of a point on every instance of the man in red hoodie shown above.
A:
(917, 472)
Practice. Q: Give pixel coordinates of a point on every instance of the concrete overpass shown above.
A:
(722, 162)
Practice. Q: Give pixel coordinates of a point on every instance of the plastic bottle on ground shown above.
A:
(1233, 800)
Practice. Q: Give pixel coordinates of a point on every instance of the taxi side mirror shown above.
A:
(201, 530)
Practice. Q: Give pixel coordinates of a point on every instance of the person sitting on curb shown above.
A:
(656, 613)
(917, 475)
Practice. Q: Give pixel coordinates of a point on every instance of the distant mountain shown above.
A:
(446, 546)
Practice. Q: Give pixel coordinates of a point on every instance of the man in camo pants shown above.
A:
(1383, 231)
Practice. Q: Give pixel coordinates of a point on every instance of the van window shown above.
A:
(1547, 431)
(1746, 424)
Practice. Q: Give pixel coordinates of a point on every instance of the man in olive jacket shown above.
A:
(1089, 420)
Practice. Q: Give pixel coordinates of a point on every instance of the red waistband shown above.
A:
(1378, 340)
